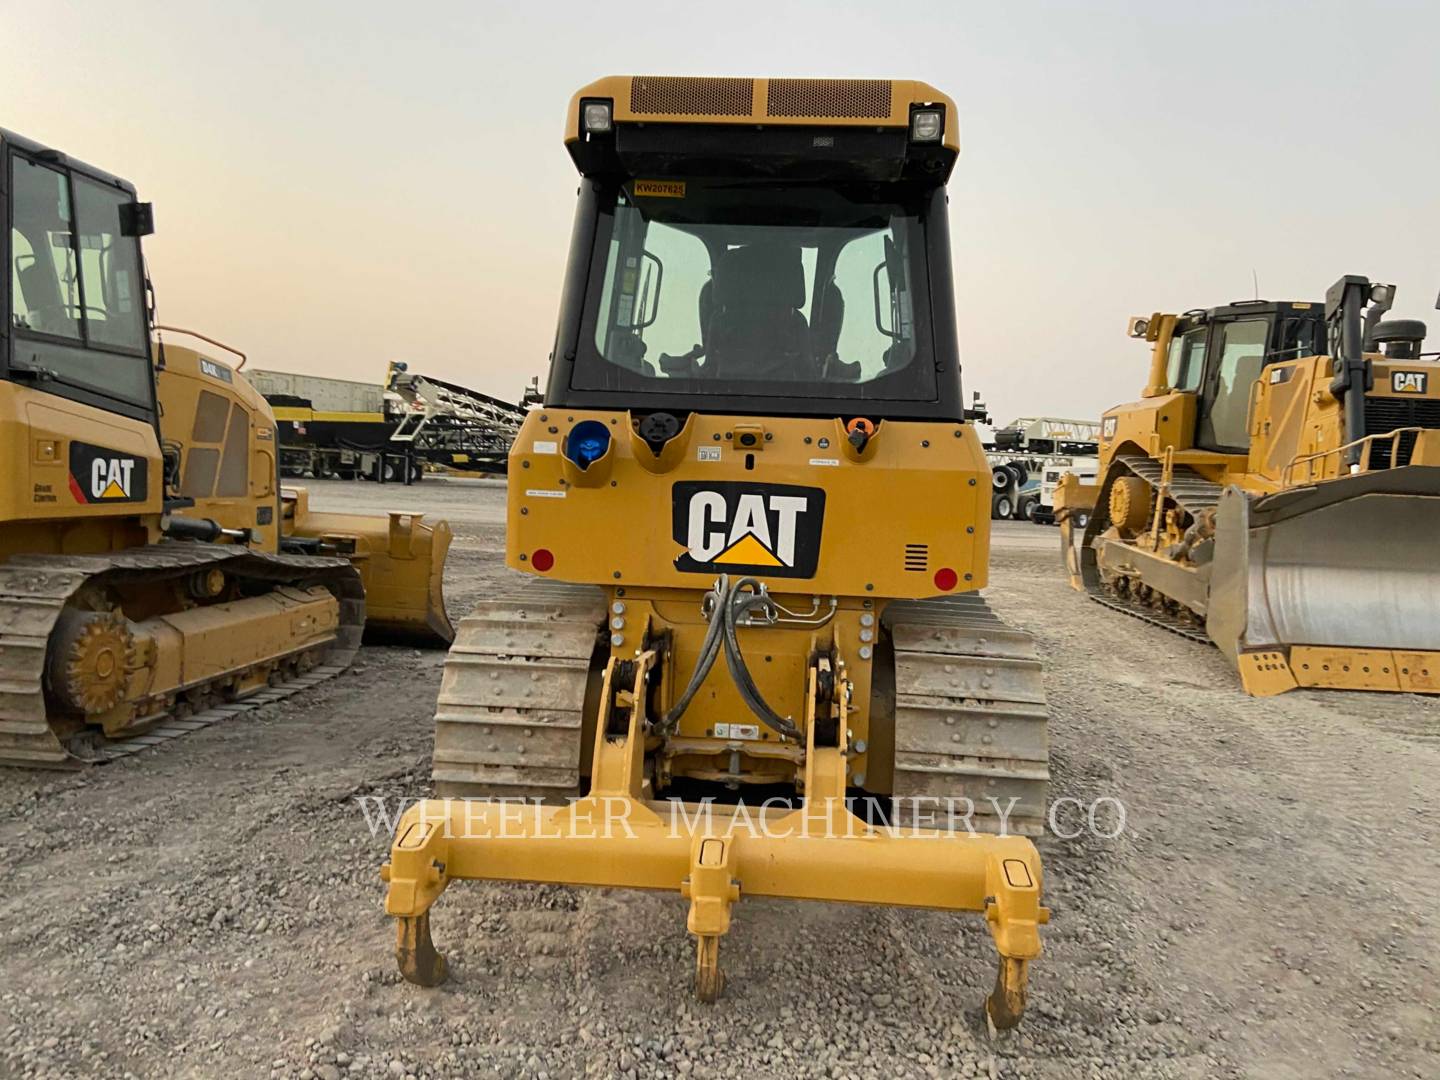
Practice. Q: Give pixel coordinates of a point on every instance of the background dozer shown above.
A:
(751, 520)
(152, 579)
(401, 560)
(1277, 491)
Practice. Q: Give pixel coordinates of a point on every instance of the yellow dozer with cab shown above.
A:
(745, 653)
(1276, 491)
(153, 577)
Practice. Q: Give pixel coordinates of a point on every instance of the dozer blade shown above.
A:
(1074, 506)
(401, 562)
(1332, 584)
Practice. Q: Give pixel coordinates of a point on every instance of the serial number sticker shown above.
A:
(737, 731)
(660, 189)
(824, 461)
(708, 453)
(547, 448)
(541, 493)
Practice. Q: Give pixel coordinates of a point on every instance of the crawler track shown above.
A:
(34, 590)
(1194, 494)
(970, 718)
(1154, 616)
(509, 719)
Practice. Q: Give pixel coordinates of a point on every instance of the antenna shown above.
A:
(1254, 277)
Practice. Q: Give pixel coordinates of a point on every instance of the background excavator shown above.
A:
(153, 576)
(753, 446)
(1276, 491)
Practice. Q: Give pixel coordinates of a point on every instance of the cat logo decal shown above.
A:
(768, 529)
(98, 475)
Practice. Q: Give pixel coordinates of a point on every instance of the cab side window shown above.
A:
(76, 286)
(45, 280)
(884, 342)
(1186, 363)
(1225, 423)
(109, 269)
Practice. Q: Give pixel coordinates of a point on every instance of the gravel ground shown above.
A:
(214, 908)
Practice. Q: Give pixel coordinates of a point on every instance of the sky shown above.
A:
(341, 185)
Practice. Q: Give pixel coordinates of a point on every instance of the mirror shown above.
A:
(137, 219)
(894, 267)
(879, 319)
(647, 309)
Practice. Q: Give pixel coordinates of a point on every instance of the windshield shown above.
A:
(714, 288)
(76, 292)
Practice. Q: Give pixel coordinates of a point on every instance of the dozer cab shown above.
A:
(152, 578)
(1276, 491)
(746, 654)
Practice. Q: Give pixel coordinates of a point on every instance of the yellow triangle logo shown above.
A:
(748, 551)
(113, 491)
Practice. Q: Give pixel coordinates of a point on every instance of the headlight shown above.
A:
(926, 125)
(595, 116)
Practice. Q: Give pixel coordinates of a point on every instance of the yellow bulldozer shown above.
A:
(1276, 490)
(154, 578)
(750, 521)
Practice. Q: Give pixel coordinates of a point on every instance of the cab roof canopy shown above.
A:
(51, 156)
(625, 127)
(1241, 308)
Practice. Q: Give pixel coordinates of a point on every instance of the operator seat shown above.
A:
(755, 328)
(40, 298)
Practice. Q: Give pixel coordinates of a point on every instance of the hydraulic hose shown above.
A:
(714, 608)
(725, 605)
(740, 604)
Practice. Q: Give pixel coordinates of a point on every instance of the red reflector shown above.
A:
(946, 579)
(544, 559)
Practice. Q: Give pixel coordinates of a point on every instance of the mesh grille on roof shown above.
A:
(857, 98)
(691, 96)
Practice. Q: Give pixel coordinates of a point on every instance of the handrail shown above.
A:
(1286, 478)
(208, 340)
(1251, 419)
(1167, 477)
